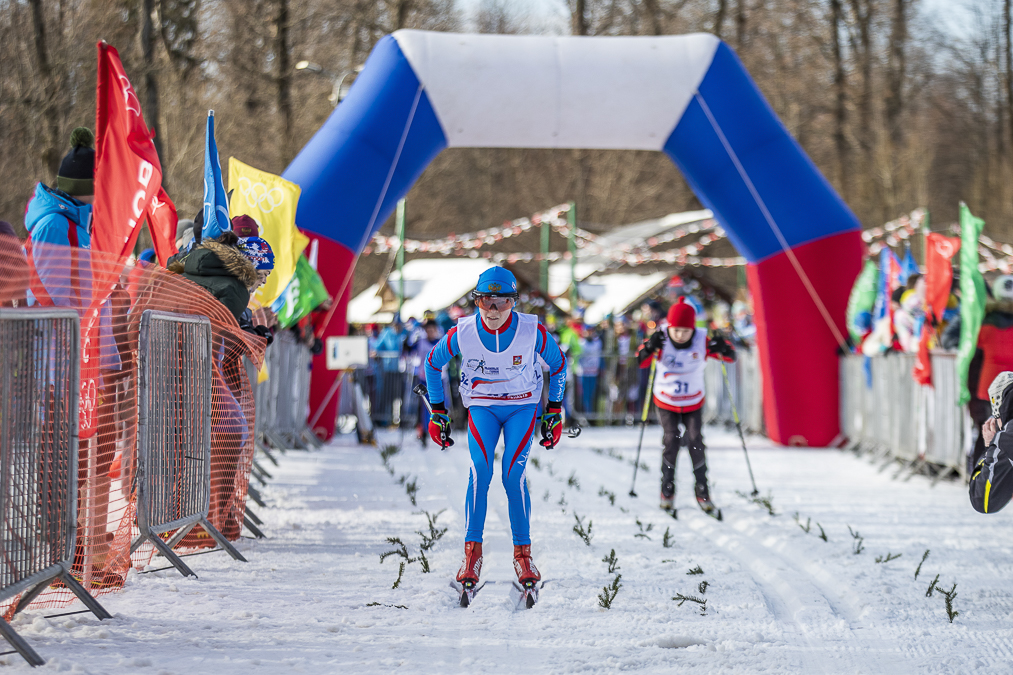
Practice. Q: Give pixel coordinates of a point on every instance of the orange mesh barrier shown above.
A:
(106, 487)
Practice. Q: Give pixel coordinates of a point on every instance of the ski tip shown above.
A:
(720, 516)
(632, 493)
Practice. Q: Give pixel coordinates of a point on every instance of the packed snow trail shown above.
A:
(315, 598)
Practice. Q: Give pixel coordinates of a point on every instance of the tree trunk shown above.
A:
(653, 16)
(740, 25)
(1008, 30)
(840, 103)
(578, 20)
(51, 152)
(896, 71)
(719, 18)
(282, 49)
(151, 106)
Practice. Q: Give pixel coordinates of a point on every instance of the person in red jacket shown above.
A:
(681, 350)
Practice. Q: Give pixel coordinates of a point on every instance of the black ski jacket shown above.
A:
(991, 484)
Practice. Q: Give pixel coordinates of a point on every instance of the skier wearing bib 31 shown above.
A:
(501, 385)
(681, 350)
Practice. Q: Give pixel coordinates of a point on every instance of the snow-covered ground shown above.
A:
(315, 598)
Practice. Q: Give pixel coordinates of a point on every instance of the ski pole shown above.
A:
(422, 392)
(738, 425)
(643, 424)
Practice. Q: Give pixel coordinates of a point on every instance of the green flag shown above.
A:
(304, 294)
(972, 296)
(862, 300)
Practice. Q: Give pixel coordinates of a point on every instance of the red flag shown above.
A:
(127, 176)
(127, 171)
(939, 250)
(162, 221)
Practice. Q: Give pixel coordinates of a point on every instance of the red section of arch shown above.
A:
(798, 351)
(335, 266)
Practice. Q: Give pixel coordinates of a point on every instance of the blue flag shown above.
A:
(882, 305)
(908, 267)
(216, 202)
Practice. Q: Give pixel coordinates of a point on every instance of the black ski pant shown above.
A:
(691, 435)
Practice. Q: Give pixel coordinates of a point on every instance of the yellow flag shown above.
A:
(271, 201)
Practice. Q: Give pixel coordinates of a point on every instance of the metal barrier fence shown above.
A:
(283, 399)
(39, 393)
(884, 410)
(746, 385)
(175, 361)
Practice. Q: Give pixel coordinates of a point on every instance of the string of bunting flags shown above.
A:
(893, 232)
(468, 245)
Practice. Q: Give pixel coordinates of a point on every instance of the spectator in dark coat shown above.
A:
(222, 270)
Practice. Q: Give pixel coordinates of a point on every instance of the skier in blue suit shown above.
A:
(501, 354)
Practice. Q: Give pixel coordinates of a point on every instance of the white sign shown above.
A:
(344, 353)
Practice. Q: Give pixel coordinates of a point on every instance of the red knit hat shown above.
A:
(245, 226)
(681, 315)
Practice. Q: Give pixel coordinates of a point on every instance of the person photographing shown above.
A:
(991, 485)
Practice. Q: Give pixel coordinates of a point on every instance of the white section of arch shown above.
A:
(531, 91)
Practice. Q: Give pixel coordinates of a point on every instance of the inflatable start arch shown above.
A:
(687, 96)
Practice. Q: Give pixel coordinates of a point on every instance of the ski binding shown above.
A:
(466, 591)
(525, 595)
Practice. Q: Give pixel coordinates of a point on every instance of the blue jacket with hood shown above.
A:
(54, 219)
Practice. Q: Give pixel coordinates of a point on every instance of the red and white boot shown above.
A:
(527, 577)
(527, 573)
(471, 567)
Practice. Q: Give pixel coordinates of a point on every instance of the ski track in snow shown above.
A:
(779, 600)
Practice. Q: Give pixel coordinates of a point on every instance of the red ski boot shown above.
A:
(526, 570)
(467, 577)
(471, 567)
(527, 577)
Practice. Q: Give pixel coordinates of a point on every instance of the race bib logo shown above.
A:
(476, 364)
(517, 360)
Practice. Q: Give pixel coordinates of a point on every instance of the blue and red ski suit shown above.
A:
(485, 422)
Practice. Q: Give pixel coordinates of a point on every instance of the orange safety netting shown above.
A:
(106, 521)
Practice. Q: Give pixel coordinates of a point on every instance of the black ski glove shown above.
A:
(720, 346)
(655, 342)
(264, 332)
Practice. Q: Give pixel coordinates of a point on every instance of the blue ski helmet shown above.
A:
(496, 281)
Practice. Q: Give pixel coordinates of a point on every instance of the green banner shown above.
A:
(862, 300)
(304, 294)
(972, 296)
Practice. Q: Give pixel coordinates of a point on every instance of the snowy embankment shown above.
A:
(315, 598)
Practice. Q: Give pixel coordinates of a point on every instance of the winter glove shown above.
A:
(264, 332)
(655, 342)
(720, 346)
(649, 347)
(439, 426)
(552, 425)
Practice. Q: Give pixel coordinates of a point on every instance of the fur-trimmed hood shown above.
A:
(218, 261)
(223, 271)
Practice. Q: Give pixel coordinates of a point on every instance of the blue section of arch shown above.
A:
(803, 204)
(342, 170)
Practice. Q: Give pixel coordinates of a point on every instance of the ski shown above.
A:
(711, 510)
(671, 512)
(466, 591)
(526, 596)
